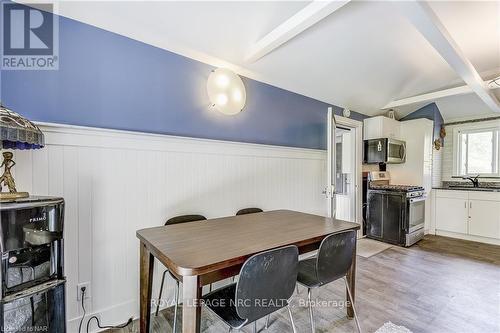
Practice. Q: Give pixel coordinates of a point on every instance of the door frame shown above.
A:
(357, 127)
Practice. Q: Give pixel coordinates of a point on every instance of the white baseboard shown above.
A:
(479, 239)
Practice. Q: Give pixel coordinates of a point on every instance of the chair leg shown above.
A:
(297, 288)
(255, 326)
(310, 309)
(161, 290)
(291, 318)
(176, 306)
(267, 321)
(352, 303)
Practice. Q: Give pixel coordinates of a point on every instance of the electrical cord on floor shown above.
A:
(105, 326)
(97, 318)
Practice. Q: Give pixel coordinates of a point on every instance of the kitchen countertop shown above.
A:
(484, 186)
(468, 188)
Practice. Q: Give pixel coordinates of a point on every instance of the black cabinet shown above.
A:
(385, 217)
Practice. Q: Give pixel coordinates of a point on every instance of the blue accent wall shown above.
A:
(110, 81)
(430, 111)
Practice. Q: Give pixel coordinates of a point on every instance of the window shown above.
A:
(478, 152)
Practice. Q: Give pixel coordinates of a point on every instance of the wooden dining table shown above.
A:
(203, 252)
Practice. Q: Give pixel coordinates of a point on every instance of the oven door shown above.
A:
(37, 309)
(416, 214)
(396, 151)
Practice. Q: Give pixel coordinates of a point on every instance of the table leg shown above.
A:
(191, 306)
(351, 280)
(146, 282)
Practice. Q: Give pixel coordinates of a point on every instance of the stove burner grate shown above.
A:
(399, 188)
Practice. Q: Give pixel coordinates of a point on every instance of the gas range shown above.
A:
(410, 190)
(395, 213)
(398, 188)
(380, 181)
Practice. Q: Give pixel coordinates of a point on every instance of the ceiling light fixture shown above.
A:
(226, 91)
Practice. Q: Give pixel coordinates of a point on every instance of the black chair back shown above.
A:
(249, 211)
(267, 280)
(185, 219)
(335, 256)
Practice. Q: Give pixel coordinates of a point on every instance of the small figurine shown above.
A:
(7, 178)
(442, 132)
(437, 144)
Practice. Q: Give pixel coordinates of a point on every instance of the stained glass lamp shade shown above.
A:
(17, 132)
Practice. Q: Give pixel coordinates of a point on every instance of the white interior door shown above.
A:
(345, 175)
(331, 163)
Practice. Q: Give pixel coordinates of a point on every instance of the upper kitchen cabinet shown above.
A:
(381, 127)
(418, 134)
(417, 169)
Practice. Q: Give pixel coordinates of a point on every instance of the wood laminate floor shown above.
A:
(439, 285)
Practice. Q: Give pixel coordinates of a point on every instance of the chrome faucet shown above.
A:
(474, 180)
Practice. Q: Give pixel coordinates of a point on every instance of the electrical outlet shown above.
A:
(88, 291)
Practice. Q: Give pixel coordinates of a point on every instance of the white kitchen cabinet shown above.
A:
(452, 214)
(417, 170)
(381, 127)
(473, 215)
(484, 218)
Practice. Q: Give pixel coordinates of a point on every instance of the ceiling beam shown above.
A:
(429, 96)
(302, 20)
(432, 96)
(427, 22)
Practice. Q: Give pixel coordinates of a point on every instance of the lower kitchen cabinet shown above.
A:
(484, 218)
(452, 214)
(472, 214)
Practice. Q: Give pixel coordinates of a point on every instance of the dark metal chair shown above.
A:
(176, 220)
(332, 262)
(245, 211)
(267, 281)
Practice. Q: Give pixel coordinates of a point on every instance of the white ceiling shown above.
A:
(362, 56)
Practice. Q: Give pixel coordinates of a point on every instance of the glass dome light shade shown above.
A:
(226, 91)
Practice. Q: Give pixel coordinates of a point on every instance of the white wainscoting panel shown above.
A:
(116, 182)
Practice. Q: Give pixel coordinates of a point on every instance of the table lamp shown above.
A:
(16, 132)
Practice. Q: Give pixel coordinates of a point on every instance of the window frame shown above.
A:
(459, 151)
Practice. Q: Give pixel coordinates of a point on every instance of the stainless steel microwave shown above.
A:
(384, 150)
